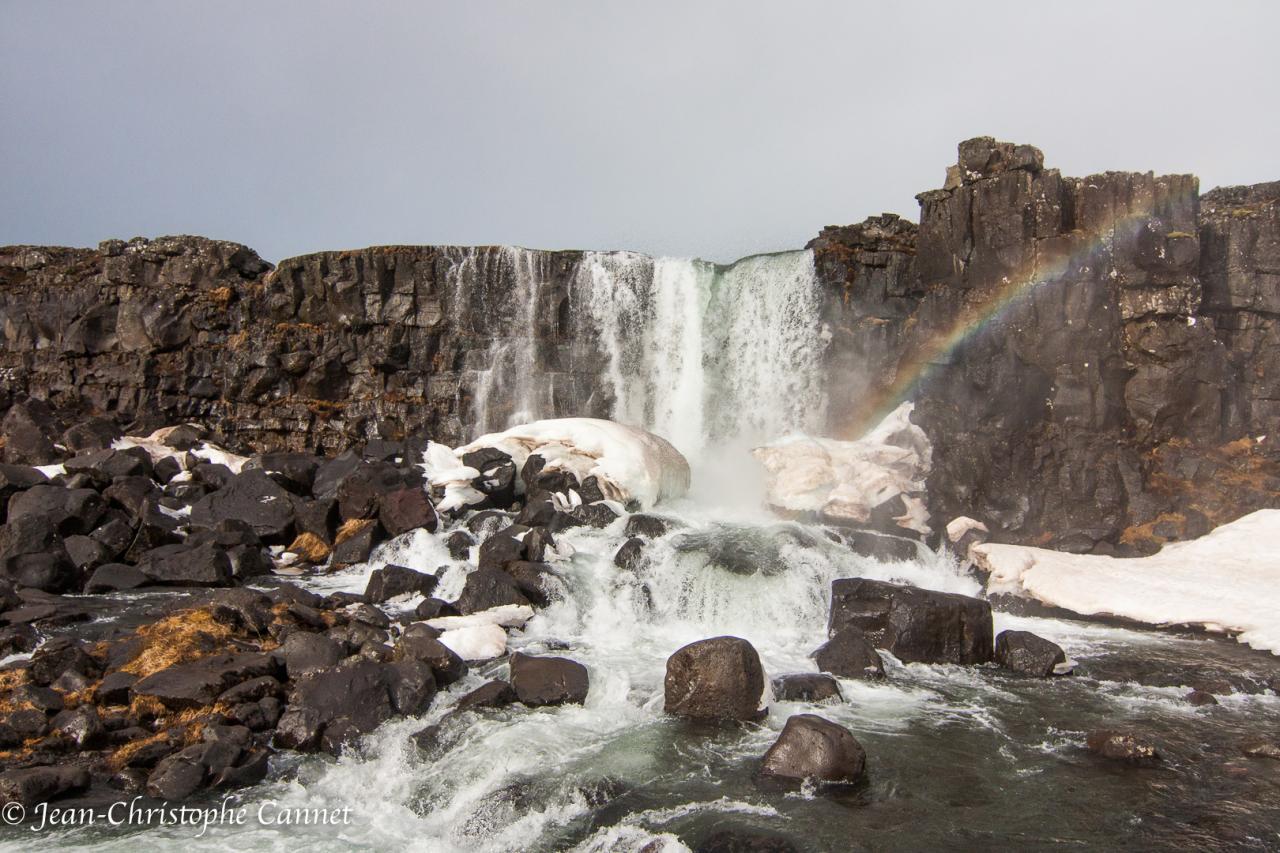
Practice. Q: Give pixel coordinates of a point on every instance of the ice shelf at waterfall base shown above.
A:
(843, 481)
(629, 464)
(1226, 581)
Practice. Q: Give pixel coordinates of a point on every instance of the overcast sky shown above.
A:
(684, 128)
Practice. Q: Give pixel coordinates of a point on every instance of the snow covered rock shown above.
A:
(846, 481)
(1226, 581)
(476, 642)
(627, 463)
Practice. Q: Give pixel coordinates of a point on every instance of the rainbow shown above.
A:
(994, 304)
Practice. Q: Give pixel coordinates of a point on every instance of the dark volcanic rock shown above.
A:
(254, 498)
(193, 685)
(806, 687)
(497, 480)
(917, 625)
(810, 747)
(406, 509)
(716, 679)
(849, 654)
(548, 680)
(1024, 652)
(184, 565)
(486, 588)
(629, 554)
(1122, 746)
(391, 581)
(40, 784)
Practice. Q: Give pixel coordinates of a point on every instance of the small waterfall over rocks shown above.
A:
(691, 350)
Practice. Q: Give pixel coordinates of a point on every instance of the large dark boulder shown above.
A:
(392, 581)
(486, 588)
(204, 564)
(113, 577)
(505, 546)
(406, 509)
(360, 493)
(444, 662)
(849, 654)
(13, 479)
(294, 471)
(497, 480)
(254, 498)
(356, 540)
(34, 785)
(1024, 652)
(813, 748)
(197, 684)
(716, 679)
(916, 625)
(303, 652)
(28, 434)
(539, 680)
(328, 706)
(32, 554)
(806, 687)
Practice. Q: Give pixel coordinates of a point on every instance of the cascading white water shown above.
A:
(496, 292)
(701, 354)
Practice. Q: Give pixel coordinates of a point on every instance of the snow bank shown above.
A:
(630, 464)
(157, 450)
(478, 642)
(505, 616)
(1228, 580)
(844, 480)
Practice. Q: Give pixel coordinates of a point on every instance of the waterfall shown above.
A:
(496, 293)
(699, 353)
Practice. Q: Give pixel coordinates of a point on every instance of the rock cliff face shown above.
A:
(1093, 358)
(323, 351)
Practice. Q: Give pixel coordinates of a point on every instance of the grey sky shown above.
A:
(711, 129)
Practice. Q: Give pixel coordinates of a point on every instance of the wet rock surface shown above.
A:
(715, 679)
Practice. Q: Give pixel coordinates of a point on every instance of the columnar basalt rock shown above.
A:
(1082, 351)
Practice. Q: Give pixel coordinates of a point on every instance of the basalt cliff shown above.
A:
(1095, 360)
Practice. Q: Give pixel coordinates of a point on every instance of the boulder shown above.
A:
(1122, 746)
(351, 696)
(360, 492)
(16, 478)
(812, 748)
(392, 581)
(849, 654)
(491, 694)
(254, 498)
(629, 554)
(32, 554)
(806, 687)
(293, 471)
(486, 588)
(497, 480)
(187, 565)
(445, 665)
(34, 785)
(715, 679)
(539, 680)
(647, 526)
(534, 580)
(356, 540)
(114, 577)
(916, 625)
(303, 652)
(197, 684)
(1025, 653)
(503, 547)
(28, 433)
(459, 543)
(406, 509)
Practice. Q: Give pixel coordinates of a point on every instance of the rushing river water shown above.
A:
(958, 757)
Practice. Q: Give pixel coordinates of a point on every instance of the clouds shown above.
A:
(712, 129)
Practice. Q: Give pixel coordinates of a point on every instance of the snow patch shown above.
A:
(157, 450)
(506, 616)
(844, 480)
(628, 463)
(477, 642)
(1228, 580)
